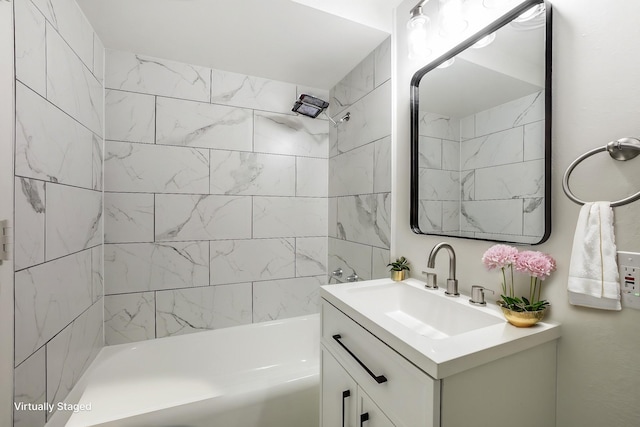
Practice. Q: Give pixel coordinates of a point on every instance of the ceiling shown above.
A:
(308, 42)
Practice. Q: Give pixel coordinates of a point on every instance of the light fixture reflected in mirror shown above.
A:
(451, 18)
(531, 19)
(417, 33)
(484, 42)
(447, 63)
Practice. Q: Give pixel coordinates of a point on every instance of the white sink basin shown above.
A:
(421, 310)
(441, 335)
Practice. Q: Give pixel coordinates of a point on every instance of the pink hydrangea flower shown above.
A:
(536, 264)
(499, 256)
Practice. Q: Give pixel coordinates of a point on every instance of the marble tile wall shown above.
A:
(496, 190)
(359, 170)
(215, 199)
(58, 201)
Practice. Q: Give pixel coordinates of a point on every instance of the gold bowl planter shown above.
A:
(523, 319)
(398, 275)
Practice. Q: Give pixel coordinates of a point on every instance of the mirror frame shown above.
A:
(414, 114)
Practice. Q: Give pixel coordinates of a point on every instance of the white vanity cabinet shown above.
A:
(364, 371)
(377, 379)
(344, 404)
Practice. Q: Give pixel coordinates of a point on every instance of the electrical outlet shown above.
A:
(629, 269)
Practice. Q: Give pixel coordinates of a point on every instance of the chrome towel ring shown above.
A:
(622, 149)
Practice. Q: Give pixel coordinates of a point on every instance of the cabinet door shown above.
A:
(338, 397)
(369, 414)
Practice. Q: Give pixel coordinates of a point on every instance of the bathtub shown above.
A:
(258, 375)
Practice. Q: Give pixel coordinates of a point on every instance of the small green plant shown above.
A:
(399, 264)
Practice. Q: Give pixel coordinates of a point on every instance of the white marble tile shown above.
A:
(241, 173)
(451, 217)
(138, 267)
(332, 230)
(534, 217)
(29, 223)
(514, 181)
(350, 257)
(128, 217)
(450, 155)
(534, 140)
(366, 219)
(438, 185)
(98, 58)
(284, 134)
(382, 166)
(129, 116)
(97, 272)
(234, 261)
(155, 76)
(355, 85)
(382, 62)
(352, 173)
(289, 217)
(50, 145)
(311, 256)
(232, 305)
(527, 109)
(30, 50)
(496, 149)
(379, 260)
(468, 127)
(97, 158)
(429, 152)
(67, 18)
(129, 318)
(312, 177)
(185, 311)
(468, 185)
(333, 140)
(240, 90)
(30, 387)
(190, 217)
(70, 353)
(198, 124)
(370, 119)
(155, 168)
(495, 216)
(47, 298)
(438, 126)
(281, 299)
(71, 85)
(74, 220)
(430, 216)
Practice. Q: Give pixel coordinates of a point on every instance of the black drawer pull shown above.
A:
(345, 394)
(379, 378)
(364, 417)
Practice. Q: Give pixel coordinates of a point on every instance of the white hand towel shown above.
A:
(593, 272)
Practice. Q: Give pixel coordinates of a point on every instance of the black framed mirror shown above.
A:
(481, 134)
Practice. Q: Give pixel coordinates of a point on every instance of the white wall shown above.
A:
(6, 209)
(595, 99)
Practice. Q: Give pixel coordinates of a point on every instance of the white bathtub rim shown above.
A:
(75, 396)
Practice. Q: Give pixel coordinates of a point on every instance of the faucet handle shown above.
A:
(477, 295)
(432, 278)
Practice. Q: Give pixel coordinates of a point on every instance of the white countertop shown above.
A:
(439, 357)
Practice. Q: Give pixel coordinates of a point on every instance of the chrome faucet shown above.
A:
(353, 278)
(452, 282)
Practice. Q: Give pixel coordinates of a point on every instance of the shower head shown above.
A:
(309, 106)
